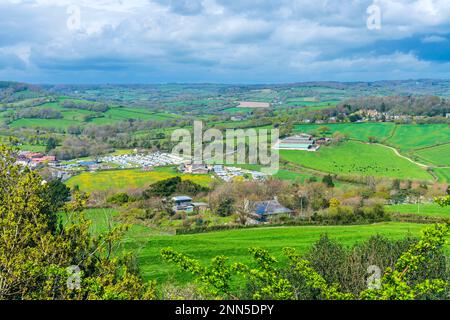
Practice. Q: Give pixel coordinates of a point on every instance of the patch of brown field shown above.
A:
(252, 104)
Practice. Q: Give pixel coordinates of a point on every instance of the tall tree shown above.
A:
(40, 260)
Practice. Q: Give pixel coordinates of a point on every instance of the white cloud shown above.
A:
(434, 39)
(259, 37)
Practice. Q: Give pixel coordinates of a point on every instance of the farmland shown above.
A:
(146, 242)
(427, 209)
(253, 104)
(105, 140)
(129, 179)
(443, 174)
(409, 137)
(357, 159)
(439, 155)
(358, 131)
(81, 117)
(235, 243)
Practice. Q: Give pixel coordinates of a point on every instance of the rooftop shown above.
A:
(182, 198)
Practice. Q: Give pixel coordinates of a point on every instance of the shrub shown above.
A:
(119, 198)
(169, 187)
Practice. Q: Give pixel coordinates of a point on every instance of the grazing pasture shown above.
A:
(423, 209)
(82, 117)
(238, 110)
(235, 243)
(443, 174)
(61, 124)
(439, 155)
(358, 131)
(357, 159)
(409, 136)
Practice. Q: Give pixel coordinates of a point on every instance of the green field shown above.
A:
(129, 179)
(238, 110)
(409, 136)
(77, 117)
(439, 155)
(310, 102)
(134, 113)
(358, 131)
(427, 209)
(32, 148)
(44, 123)
(443, 174)
(357, 159)
(235, 243)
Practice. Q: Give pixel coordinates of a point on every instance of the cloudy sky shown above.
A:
(223, 41)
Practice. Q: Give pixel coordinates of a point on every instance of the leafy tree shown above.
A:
(328, 181)
(354, 117)
(225, 207)
(56, 195)
(169, 187)
(395, 284)
(323, 130)
(51, 144)
(38, 258)
(443, 201)
(119, 198)
(164, 188)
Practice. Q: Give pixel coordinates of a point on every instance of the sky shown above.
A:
(223, 41)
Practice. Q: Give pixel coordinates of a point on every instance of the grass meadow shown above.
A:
(443, 174)
(358, 131)
(235, 243)
(423, 209)
(439, 155)
(354, 158)
(409, 136)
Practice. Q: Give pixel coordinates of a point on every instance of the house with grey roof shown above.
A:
(263, 211)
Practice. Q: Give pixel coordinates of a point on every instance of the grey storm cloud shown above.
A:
(220, 40)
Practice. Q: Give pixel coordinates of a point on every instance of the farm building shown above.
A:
(184, 203)
(303, 142)
(33, 159)
(194, 168)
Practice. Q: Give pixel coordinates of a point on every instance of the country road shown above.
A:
(404, 157)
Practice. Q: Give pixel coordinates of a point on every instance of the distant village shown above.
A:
(139, 159)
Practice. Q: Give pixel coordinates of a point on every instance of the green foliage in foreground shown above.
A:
(270, 282)
(38, 258)
(444, 201)
(35, 254)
